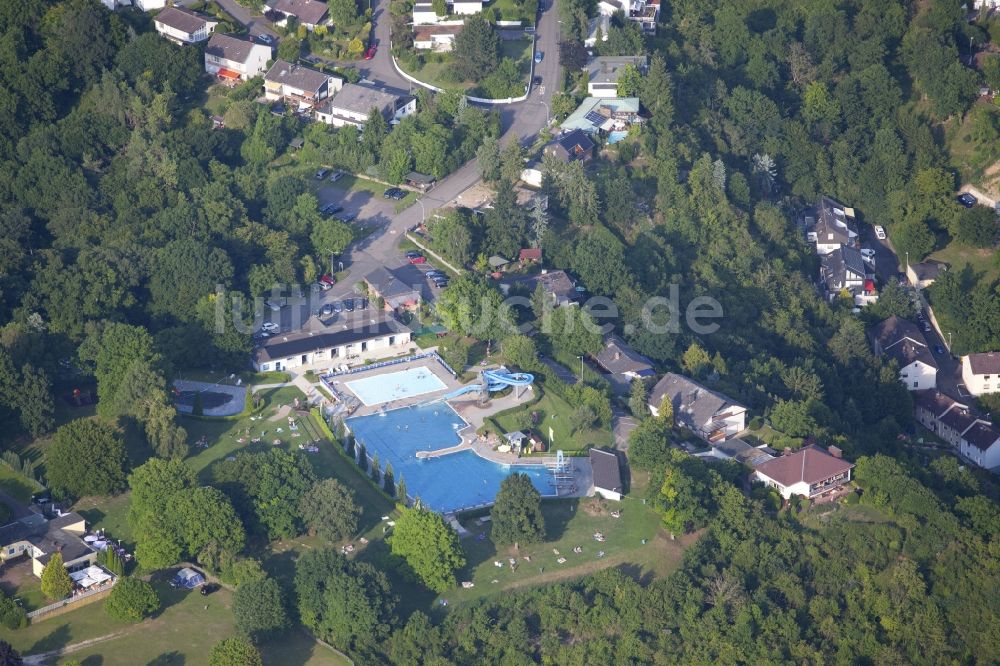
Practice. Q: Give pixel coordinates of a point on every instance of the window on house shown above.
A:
(916, 384)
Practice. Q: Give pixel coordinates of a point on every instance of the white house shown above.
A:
(711, 415)
(353, 103)
(981, 445)
(843, 270)
(309, 13)
(351, 342)
(35, 537)
(976, 439)
(604, 73)
(466, 7)
(903, 341)
(184, 26)
(644, 12)
(235, 59)
(981, 373)
(439, 38)
(607, 474)
(424, 14)
(834, 226)
(922, 275)
(809, 472)
(299, 85)
(147, 5)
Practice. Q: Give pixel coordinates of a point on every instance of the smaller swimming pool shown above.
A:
(395, 385)
(615, 137)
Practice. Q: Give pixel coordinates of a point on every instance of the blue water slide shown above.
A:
(471, 388)
(498, 380)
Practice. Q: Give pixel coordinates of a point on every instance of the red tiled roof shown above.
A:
(530, 254)
(228, 74)
(810, 464)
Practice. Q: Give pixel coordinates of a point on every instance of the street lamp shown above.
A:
(949, 341)
(581, 367)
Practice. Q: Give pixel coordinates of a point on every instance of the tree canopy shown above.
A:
(429, 546)
(517, 512)
(86, 457)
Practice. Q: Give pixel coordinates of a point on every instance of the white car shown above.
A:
(868, 254)
(879, 232)
(270, 327)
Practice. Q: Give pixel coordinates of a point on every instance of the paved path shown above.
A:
(622, 424)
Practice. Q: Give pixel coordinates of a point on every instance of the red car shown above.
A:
(370, 53)
(418, 260)
(327, 279)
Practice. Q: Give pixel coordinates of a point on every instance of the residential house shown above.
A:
(466, 7)
(184, 26)
(843, 270)
(35, 537)
(146, 5)
(597, 29)
(235, 59)
(604, 73)
(570, 146)
(709, 414)
(599, 114)
(424, 14)
(299, 85)
(309, 13)
(903, 341)
(557, 285)
(738, 450)
(607, 474)
(974, 438)
(922, 274)
(809, 472)
(835, 225)
(354, 341)
(439, 38)
(644, 12)
(622, 362)
(981, 373)
(420, 181)
(981, 445)
(397, 294)
(529, 255)
(353, 103)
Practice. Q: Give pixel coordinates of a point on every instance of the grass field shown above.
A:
(556, 414)
(435, 67)
(183, 632)
(15, 484)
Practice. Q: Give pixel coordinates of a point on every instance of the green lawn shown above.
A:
(436, 65)
(510, 10)
(109, 514)
(571, 524)
(556, 414)
(985, 267)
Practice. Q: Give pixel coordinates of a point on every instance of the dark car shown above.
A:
(326, 310)
(208, 588)
(536, 81)
(321, 174)
(332, 209)
(360, 304)
(967, 200)
(434, 273)
(337, 307)
(349, 304)
(395, 194)
(938, 349)
(347, 218)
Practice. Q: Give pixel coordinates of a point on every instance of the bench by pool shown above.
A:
(407, 383)
(447, 483)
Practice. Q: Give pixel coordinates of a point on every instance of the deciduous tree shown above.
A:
(132, 600)
(86, 457)
(517, 512)
(429, 546)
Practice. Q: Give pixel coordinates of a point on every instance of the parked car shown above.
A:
(867, 254)
(347, 218)
(321, 174)
(879, 232)
(326, 310)
(927, 327)
(325, 286)
(331, 209)
(372, 50)
(274, 305)
(208, 588)
(395, 194)
(337, 307)
(433, 273)
(938, 349)
(536, 81)
(336, 175)
(538, 57)
(417, 259)
(270, 327)
(967, 200)
(328, 280)
(360, 304)
(349, 304)
(440, 282)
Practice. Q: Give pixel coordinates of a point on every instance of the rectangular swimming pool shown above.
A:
(447, 483)
(407, 383)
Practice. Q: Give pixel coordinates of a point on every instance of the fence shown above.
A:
(66, 605)
(413, 239)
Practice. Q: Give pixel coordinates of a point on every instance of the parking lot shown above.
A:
(360, 198)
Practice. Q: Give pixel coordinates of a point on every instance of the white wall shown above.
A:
(147, 5)
(987, 459)
(336, 356)
(180, 36)
(801, 488)
(918, 376)
(978, 384)
(460, 7)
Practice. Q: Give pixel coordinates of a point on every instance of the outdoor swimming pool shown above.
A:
(445, 484)
(395, 385)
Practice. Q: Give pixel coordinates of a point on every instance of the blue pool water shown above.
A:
(395, 385)
(615, 137)
(445, 484)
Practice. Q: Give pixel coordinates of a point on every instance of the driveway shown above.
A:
(622, 424)
(252, 20)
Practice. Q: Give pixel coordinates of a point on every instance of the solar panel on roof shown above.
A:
(594, 117)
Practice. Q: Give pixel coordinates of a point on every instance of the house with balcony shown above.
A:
(234, 59)
(604, 73)
(569, 147)
(981, 373)
(309, 13)
(299, 86)
(557, 286)
(844, 270)
(183, 26)
(622, 363)
(903, 341)
(349, 342)
(710, 415)
(600, 114)
(644, 12)
(353, 103)
(439, 38)
(833, 226)
(38, 538)
(976, 439)
(809, 472)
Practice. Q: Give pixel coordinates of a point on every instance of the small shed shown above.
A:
(607, 474)
(515, 439)
(421, 181)
(497, 263)
(296, 143)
